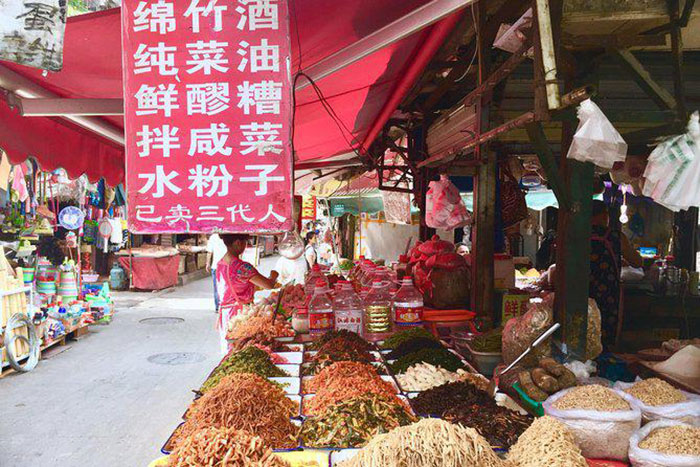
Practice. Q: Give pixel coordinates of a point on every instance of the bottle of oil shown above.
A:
(377, 322)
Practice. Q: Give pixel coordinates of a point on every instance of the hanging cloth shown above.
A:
(19, 184)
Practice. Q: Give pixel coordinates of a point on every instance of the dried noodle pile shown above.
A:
(428, 443)
(245, 402)
(547, 442)
(224, 447)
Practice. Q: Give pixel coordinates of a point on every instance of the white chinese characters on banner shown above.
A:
(208, 115)
(31, 33)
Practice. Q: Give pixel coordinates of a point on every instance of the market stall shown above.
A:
(312, 395)
(50, 289)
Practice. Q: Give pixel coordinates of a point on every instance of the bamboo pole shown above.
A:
(544, 22)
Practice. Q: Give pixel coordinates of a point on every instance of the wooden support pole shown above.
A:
(641, 76)
(573, 248)
(484, 193)
(484, 235)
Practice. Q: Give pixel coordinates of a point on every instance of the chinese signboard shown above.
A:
(207, 115)
(31, 32)
(308, 208)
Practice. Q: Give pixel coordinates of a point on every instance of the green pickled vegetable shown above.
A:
(488, 342)
(353, 422)
(397, 339)
(249, 360)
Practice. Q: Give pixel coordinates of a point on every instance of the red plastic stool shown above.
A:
(434, 319)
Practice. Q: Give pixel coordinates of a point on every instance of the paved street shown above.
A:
(108, 399)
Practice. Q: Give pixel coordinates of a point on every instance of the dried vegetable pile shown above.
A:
(222, 447)
(331, 388)
(243, 401)
(355, 421)
(340, 349)
(258, 329)
(439, 357)
(249, 360)
(423, 376)
(500, 426)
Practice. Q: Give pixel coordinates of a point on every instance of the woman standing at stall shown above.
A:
(236, 281)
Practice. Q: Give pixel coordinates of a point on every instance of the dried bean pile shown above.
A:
(592, 397)
(675, 440)
(655, 392)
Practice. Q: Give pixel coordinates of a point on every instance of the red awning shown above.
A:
(363, 95)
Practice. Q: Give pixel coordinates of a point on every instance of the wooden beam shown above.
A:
(677, 55)
(613, 42)
(641, 76)
(649, 135)
(546, 157)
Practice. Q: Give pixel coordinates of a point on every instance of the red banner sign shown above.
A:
(208, 106)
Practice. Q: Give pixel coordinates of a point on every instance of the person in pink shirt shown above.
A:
(236, 281)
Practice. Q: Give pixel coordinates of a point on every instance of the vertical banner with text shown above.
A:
(208, 113)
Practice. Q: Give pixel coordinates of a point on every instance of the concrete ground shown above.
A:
(110, 399)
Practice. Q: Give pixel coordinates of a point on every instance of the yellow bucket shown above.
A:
(160, 462)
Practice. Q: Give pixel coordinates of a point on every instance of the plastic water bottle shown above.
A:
(321, 317)
(314, 275)
(408, 305)
(377, 320)
(348, 308)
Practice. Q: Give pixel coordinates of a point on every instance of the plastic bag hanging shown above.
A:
(444, 206)
(596, 140)
(291, 246)
(673, 166)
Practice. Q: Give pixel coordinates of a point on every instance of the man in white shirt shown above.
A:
(216, 249)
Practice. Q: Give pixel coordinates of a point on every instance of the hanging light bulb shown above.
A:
(623, 209)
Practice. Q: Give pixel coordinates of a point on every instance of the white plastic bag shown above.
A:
(645, 458)
(600, 435)
(687, 411)
(445, 209)
(596, 139)
(673, 166)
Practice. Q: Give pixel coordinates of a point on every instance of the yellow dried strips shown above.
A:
(655, 392)
(677, 439)
(592, 397)
(224, 447)
(546, 442)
